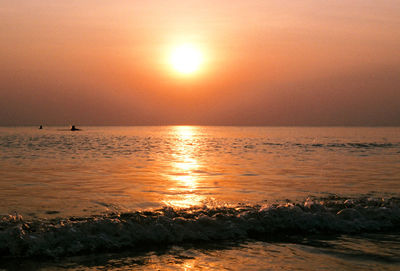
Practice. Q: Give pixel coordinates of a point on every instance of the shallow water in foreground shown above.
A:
(328, 254)
(186, 197)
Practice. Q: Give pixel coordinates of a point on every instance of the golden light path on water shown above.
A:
(183, 176)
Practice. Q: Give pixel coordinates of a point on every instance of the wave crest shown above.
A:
(69, 236)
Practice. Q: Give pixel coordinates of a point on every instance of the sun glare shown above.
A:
(186, 59)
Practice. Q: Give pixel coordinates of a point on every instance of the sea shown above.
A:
(200, 198)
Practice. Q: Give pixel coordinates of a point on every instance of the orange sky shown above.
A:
(281, 62)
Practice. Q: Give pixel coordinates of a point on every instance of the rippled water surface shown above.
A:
(55, 174)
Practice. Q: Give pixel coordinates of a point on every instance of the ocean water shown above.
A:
(196, 197)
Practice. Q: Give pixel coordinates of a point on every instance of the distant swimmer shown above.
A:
(74, 129)
(40, 127)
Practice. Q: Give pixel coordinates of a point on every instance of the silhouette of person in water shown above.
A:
(41, 127)
(74, 129)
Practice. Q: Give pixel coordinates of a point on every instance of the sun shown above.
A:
(186, 59)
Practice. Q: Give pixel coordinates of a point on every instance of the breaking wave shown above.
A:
(79, 235)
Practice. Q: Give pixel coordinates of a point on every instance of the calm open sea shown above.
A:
(197, 197)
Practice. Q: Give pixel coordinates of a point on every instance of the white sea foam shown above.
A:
(77, 235)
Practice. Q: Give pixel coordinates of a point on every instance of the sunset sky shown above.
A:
(286, 62)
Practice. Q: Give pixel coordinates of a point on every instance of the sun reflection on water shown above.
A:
(185, 132)
(184, 178)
